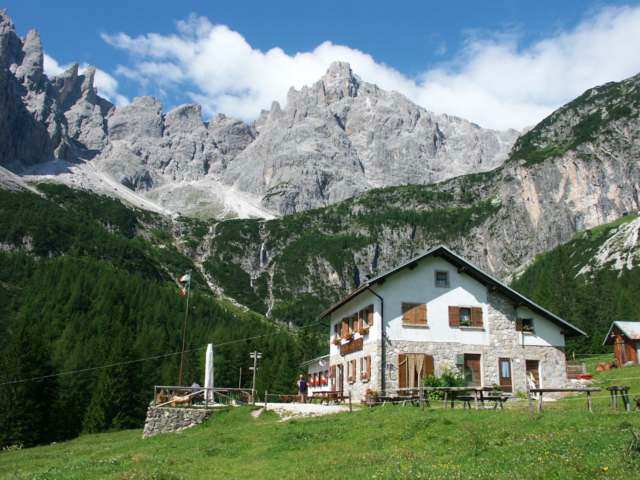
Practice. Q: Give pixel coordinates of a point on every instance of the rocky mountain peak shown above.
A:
(185, 117)
(32, 67)
(339, 82)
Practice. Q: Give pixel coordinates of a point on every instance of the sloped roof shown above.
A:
(469, 269)
(630, 330)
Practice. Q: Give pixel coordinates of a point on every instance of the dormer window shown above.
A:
(525, 325)
(442, 279)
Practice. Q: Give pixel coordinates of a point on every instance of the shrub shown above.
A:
(448, 378)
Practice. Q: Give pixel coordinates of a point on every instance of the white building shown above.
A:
(439, 312)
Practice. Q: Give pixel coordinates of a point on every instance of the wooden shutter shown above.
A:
(407, 313)
(518, 324)
(454, 316)
(369, 368)
(427, 366)
(422, 314)
(402, 370)
(414, 313)
(345, 327)
(476, 317)
(370, 315)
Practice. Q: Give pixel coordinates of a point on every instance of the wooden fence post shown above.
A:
(540, 402)
(266, 396)
(589, 405)
(350, 407)
(421, 398)
(531, 407)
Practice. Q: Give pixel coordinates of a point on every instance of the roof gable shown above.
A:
(466, 267)
(631, 330)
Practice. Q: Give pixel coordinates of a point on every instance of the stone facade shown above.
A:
(167, 420)
(504, 342)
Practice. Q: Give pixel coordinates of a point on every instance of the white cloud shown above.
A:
(493, 80)
(106, 85)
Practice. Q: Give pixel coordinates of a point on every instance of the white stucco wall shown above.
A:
(418, 285)
(361, 301)
(546, 333)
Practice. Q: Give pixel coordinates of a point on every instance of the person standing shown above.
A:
(302, 389)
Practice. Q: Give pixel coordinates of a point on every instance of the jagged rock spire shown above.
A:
(32, 66)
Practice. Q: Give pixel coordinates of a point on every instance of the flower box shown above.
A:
(363, 330)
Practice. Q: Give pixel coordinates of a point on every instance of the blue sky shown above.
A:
(440, 54)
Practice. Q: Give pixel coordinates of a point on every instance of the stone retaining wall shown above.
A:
(166, 420)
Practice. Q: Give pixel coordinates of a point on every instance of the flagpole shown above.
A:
(184, 329)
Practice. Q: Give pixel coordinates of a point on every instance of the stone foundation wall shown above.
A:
(166, 420)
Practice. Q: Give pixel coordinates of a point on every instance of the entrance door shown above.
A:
(533, 373)
(504, 367)
(340, 378)
(620, 351)
(412, 369)
(472, 372)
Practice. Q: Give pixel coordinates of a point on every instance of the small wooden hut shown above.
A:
(625, 338)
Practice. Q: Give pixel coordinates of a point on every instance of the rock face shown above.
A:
(42, 119)
(577, 169)
(333, 140)
(342, 136)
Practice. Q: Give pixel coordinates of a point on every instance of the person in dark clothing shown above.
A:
(302, 389)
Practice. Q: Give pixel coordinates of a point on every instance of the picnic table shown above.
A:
(541, 391)
(468, 394)
(328, 396)
(623, 393)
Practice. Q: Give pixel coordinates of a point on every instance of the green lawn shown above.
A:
(383, 443)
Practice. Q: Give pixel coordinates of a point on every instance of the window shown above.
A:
(442, 279)
(525, 325)
(414, 314)
(365, 369)
(465, 317)
(351, 371)
(470, 317)
(344, 331)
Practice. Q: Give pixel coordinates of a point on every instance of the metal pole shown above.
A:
(255, 355)
(240, 379)
(184, 329)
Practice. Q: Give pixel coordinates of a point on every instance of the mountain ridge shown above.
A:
(334, 139)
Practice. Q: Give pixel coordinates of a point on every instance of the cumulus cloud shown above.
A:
(493, 80)
(106, 84)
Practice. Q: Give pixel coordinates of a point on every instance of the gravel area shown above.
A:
(288, 411)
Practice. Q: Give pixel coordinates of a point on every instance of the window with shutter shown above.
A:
(368, 368)
(454, 316)
(345, 327)
(369, 315)
(414, 314)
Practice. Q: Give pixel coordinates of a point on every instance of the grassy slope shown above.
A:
(384, 443)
